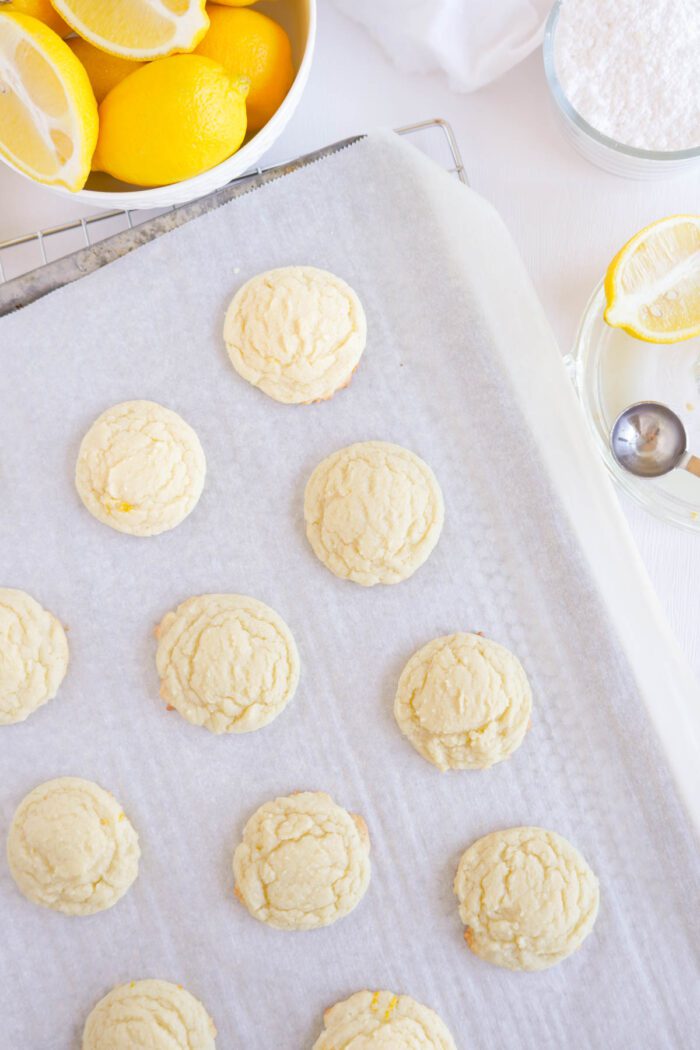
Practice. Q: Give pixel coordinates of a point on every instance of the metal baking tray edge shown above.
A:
(26, 288)
(31, 286)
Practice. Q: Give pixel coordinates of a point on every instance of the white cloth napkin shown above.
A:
(472, 41)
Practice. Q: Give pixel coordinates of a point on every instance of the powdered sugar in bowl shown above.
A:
(624, 79)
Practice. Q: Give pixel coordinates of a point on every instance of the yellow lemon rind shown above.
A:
(615, 315)
(168, 164)
(199, 27)
(45, 14)
(79, 93)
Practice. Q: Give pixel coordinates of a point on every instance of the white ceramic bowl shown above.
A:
(102, 191)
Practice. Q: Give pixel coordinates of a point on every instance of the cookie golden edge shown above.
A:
(516, 954)
(116, 514)
(193, 711)
(366, 1012)
(265, 383)
(99, 1025)
(247, 856)
(124, 860)
(54, 661)
(439, 748)
(313, 511)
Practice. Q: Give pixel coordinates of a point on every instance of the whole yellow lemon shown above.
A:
(105, 71)
(170, 120)
(40, 9)
(249, 44)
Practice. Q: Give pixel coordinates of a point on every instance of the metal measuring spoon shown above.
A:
(649, 440)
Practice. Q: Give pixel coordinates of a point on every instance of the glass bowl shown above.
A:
(612, 370)
(606, 153)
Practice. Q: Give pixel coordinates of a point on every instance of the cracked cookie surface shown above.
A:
(33, 655)
(374, 512)
(297, 333)
(226, 662)
(382, 1021)
(140, 468)
(71, 847)
(151, 1013)
(527, 897)
(303, 862)
(464, 702)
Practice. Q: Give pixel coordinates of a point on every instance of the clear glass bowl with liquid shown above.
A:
(613, 370)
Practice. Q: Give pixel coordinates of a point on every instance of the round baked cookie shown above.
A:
(297, 333)
(527, 897)
(72, 848)
(153, 1014)
(33, 655)
(374, 512)
(464, 702)
(303, 862)
(382, 1020)
(140, 468)
(226, 662)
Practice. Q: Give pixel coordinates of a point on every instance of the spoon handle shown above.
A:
(693, 465)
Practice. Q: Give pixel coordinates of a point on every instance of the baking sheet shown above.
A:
(508, 563)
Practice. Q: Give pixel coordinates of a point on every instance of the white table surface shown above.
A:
(567, 217)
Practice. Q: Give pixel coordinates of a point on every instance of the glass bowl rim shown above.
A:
(579, 370)
(557, 92)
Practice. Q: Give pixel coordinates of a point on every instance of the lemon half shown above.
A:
(652, 285)
(137, 29)
(48, 113)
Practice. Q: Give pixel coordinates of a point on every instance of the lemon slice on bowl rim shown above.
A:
(137, 29)
(48, 113)
(652, 286)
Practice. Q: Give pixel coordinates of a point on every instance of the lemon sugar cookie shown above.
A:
(226, 662)
(382, 1020)
(140, 468)
(303, 862)
(527, 897)
(464, 702)
(297, 333)
(33, 655)
(374, 512)
(154, 1014)
(71, 847)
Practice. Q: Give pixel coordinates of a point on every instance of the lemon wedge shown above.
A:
(40, 9)
(137, 29)
(48, 113)
(652, 285)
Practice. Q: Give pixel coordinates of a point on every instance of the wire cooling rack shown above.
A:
(35, 263)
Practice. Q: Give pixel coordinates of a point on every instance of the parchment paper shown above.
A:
(149, 326)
